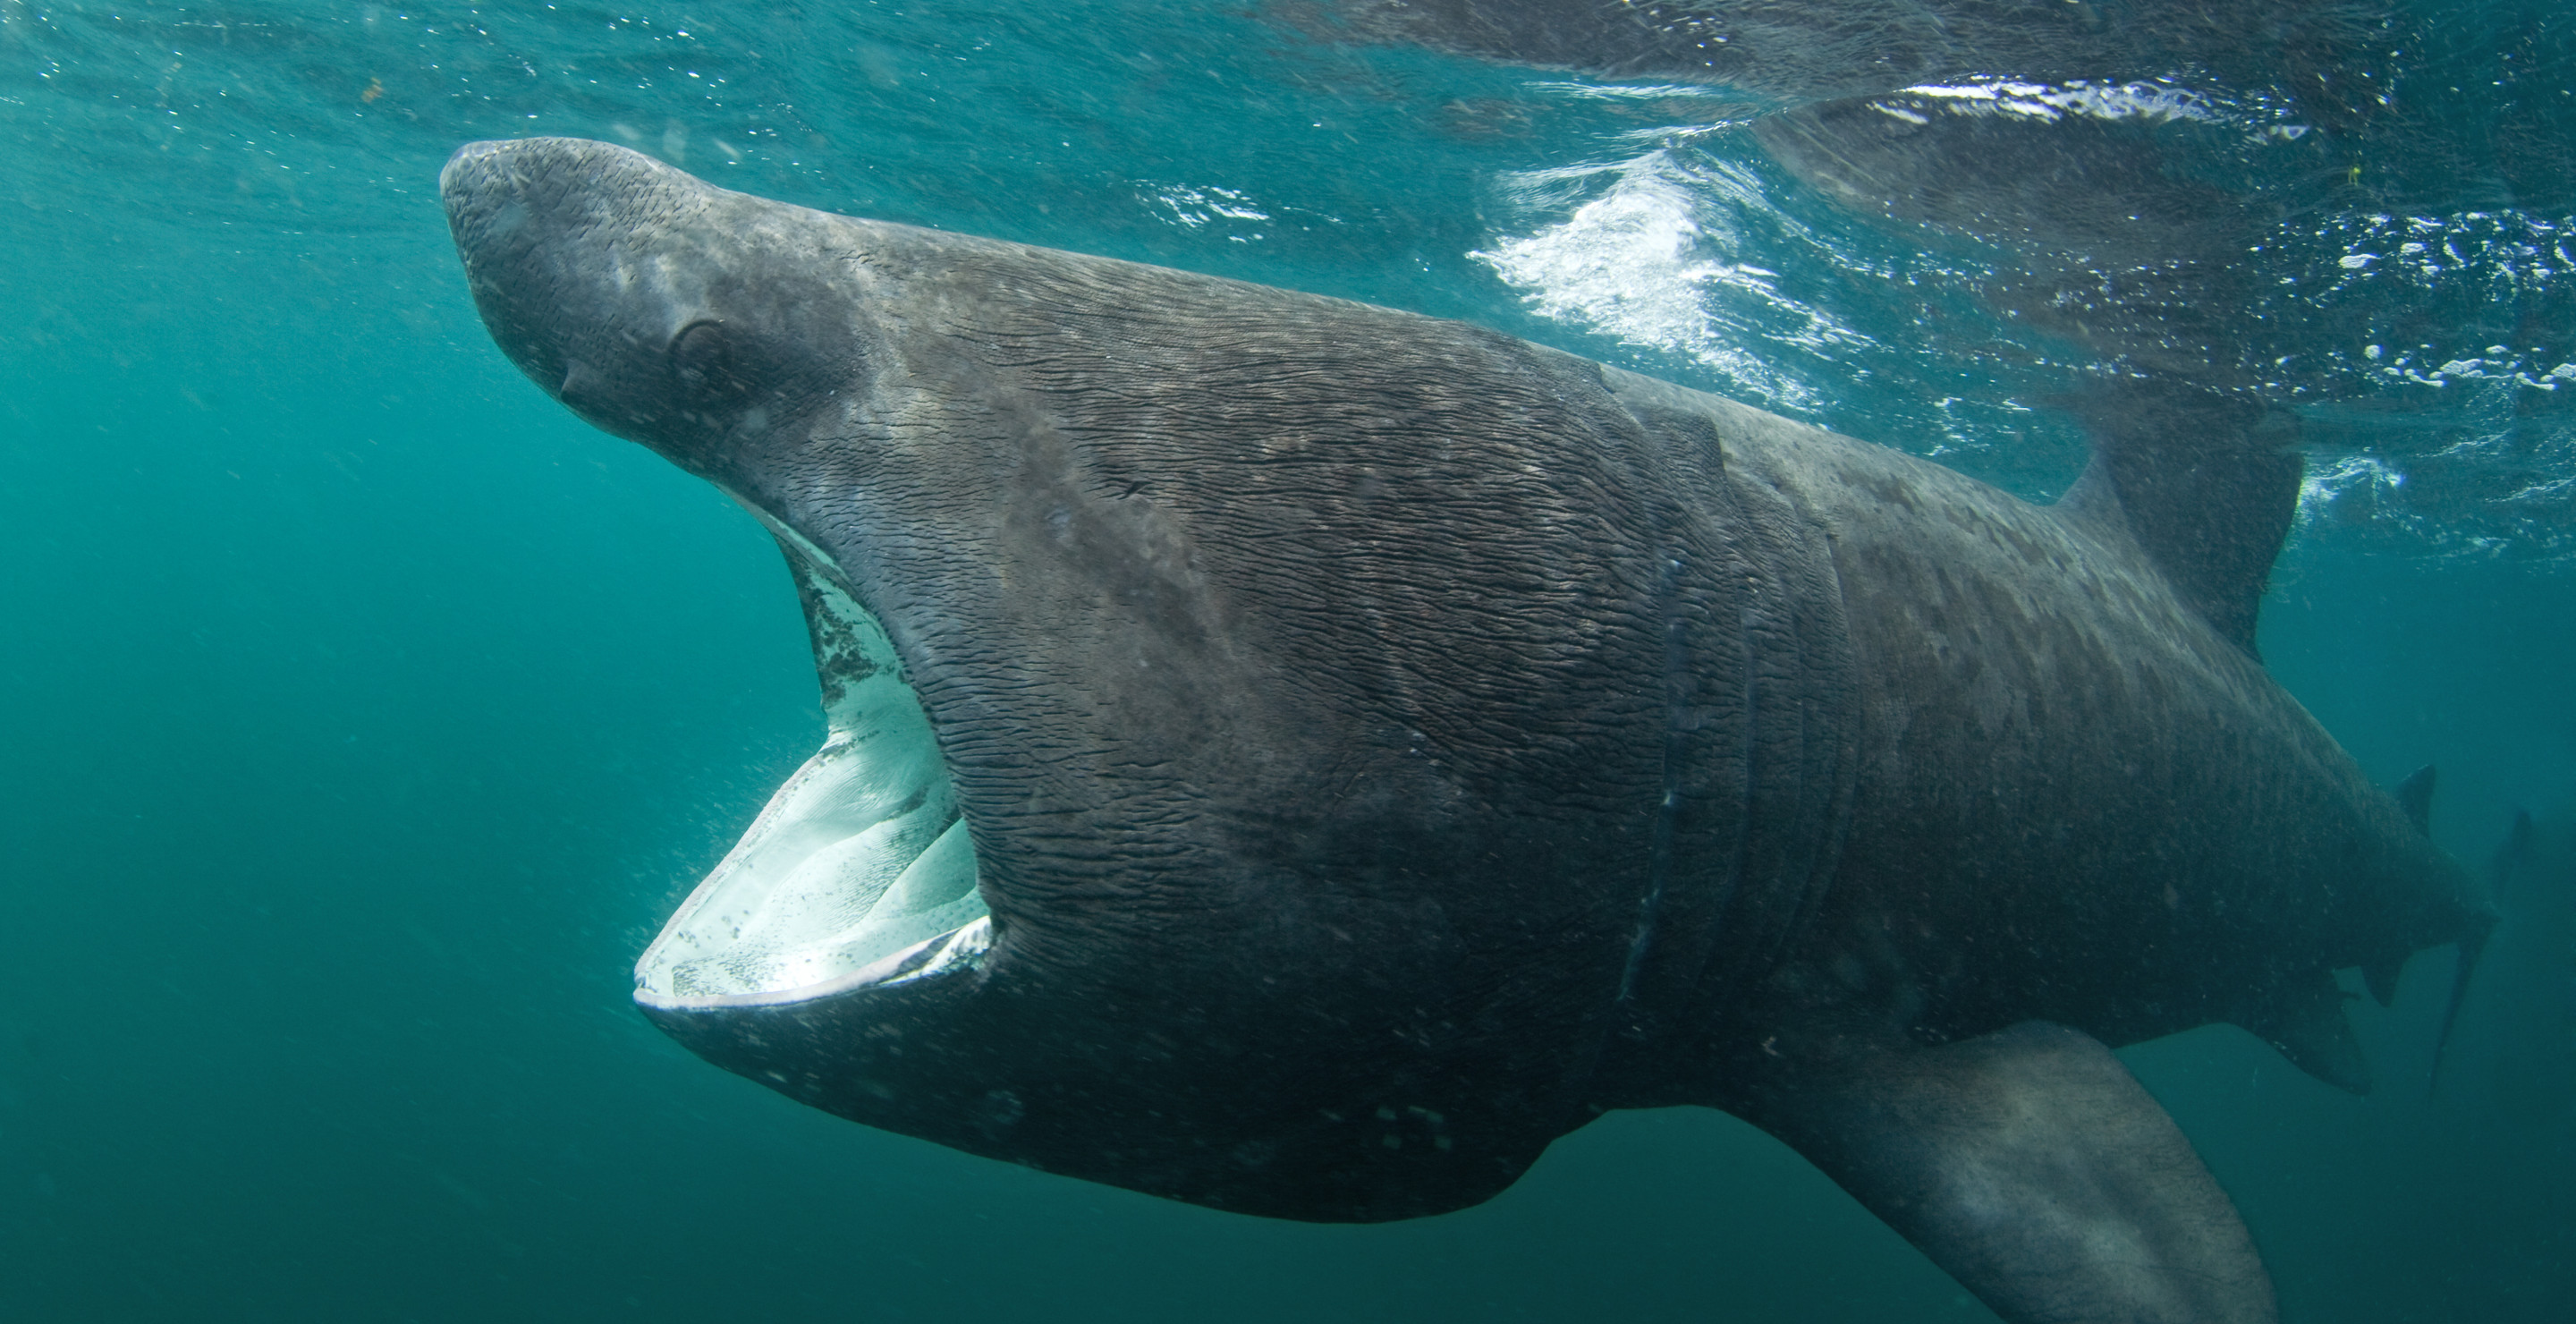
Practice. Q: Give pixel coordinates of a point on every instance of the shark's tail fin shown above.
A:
(2473, 944)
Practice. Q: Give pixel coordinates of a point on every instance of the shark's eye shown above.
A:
(706, 366)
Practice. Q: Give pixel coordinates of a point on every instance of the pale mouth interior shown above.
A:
(859, 870)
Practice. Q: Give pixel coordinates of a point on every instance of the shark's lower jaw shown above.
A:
(859, 871)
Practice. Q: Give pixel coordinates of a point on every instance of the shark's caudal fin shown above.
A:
(2500, 866)
(2030, 1165)
(2205, 482)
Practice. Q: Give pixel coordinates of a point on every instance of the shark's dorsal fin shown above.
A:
(2303, 1017)
(2205, 483)
(2415, 796)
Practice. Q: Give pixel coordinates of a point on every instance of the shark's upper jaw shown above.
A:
(861, 870)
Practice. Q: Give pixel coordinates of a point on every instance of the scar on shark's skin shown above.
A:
(1308, 756)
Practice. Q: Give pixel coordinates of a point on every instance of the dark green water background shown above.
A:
(362, 713)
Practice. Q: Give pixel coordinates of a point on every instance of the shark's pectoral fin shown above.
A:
(2030, 1165)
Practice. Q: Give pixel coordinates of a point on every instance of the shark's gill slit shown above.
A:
(860, 869)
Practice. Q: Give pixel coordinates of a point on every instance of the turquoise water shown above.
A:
(367, 713)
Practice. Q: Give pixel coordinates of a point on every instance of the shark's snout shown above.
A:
(649, 302)
(494, 193)
(476, 187)
(566, 249)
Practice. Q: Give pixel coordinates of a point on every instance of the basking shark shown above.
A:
(1301, 758)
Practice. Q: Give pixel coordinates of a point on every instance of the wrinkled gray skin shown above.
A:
(1387, 745)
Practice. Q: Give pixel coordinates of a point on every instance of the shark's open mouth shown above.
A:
(859, 870)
